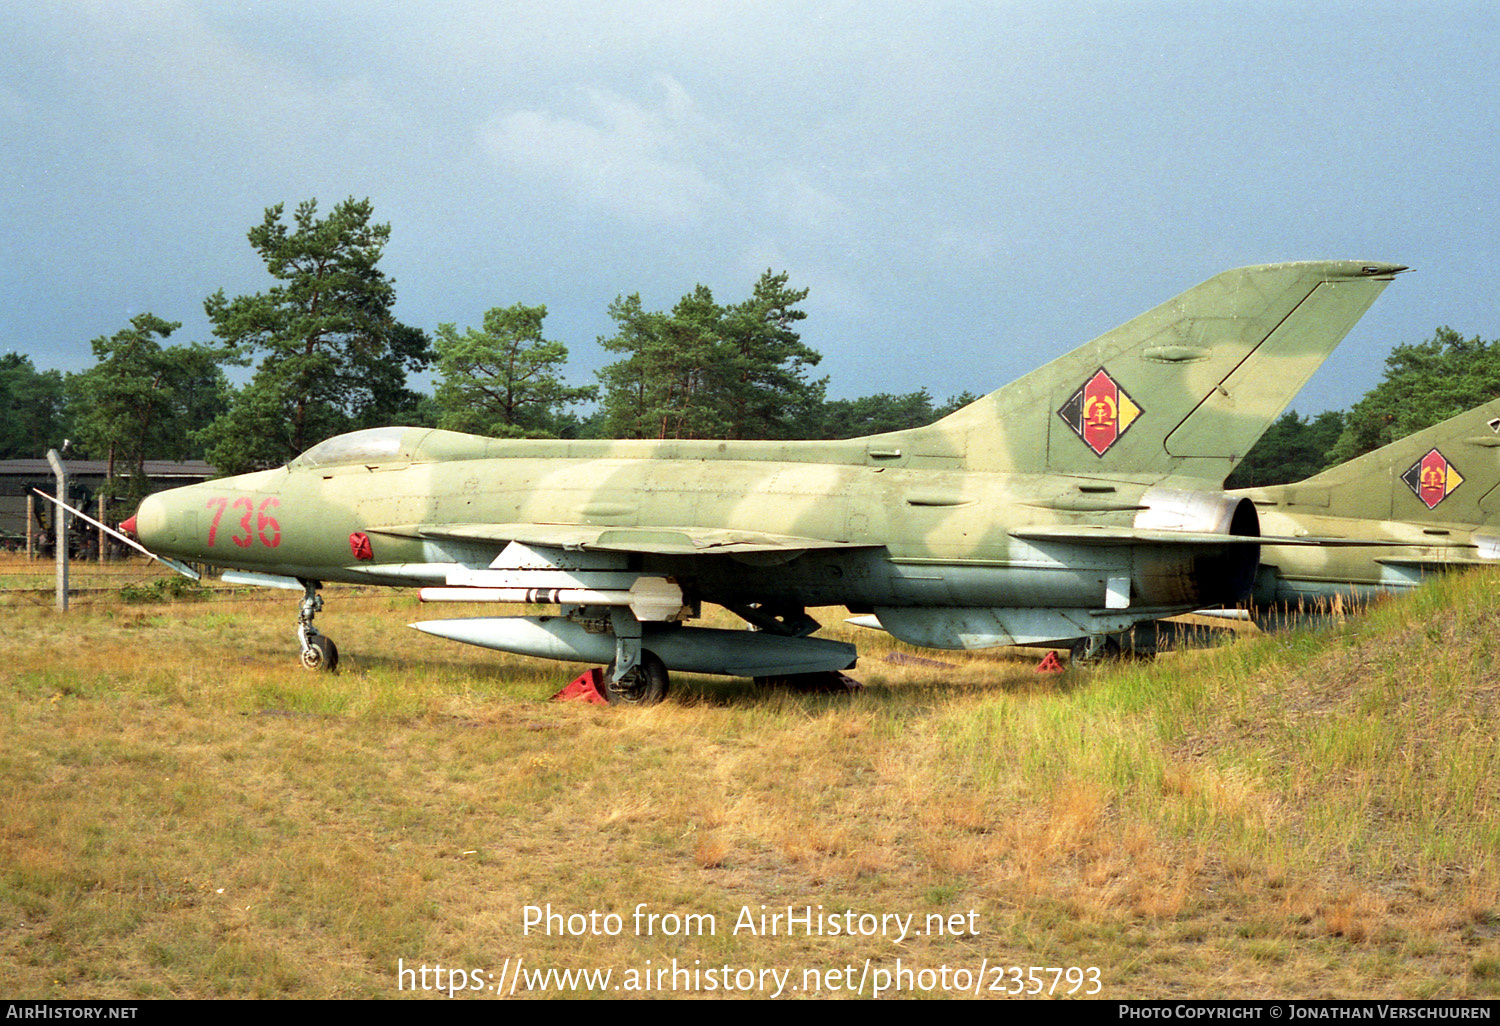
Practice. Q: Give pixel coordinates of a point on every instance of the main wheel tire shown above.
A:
(321, 654)
(646, 684)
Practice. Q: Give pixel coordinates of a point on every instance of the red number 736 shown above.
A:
(265, 525)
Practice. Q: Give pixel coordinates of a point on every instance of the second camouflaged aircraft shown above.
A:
(1079, 500)
(1426, 503)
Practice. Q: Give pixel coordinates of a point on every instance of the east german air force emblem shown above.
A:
(1432, 478)
(1100, 412)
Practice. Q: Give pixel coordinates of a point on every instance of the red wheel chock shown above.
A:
(585, 687)
(1050, 664)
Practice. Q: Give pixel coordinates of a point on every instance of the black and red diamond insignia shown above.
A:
(1100, 412)
(1432, 478)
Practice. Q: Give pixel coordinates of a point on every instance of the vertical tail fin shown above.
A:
(1447, 473)
(1184, 389)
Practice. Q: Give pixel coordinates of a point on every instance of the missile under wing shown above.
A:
(1079, 500)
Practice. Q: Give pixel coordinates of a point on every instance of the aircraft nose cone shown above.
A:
(149, 522)
(128, 527)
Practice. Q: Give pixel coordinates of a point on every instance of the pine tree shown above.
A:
(503, 379)
(1424, 384)
(35, 412)
(709, 371)
(331, 354)
(143, 400)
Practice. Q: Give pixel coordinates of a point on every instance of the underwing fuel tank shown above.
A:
(688, 649)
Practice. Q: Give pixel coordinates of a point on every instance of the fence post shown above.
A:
(60, 529)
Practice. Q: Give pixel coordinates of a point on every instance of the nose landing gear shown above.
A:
(318, 650)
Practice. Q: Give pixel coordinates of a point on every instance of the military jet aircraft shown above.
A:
(1426, 503)
(1068, 505)
(1377, 525)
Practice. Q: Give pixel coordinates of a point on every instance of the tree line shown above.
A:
(329, 356)
(1425, 383)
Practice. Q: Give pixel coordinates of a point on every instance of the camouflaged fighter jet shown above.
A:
(1068, 505)
(1429, 502)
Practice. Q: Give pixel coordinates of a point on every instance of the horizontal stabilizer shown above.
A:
(1086, 535)
(1083, 534)
(1335, 542)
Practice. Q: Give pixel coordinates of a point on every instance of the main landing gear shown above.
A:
(1095, 648)
(636, 676)
(318, 650)
(643, 684)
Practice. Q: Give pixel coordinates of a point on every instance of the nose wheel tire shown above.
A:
(646, 684)
(320, 654)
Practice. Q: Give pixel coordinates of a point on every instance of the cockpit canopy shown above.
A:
(374, 446)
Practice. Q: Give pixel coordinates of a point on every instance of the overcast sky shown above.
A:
(967, 189)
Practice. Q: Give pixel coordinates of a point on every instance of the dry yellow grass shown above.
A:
(185, 812)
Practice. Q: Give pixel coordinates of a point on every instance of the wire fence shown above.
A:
(33, 582)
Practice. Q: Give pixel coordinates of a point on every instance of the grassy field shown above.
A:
(185, 812)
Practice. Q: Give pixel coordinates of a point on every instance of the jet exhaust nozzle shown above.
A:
(1222, 578)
